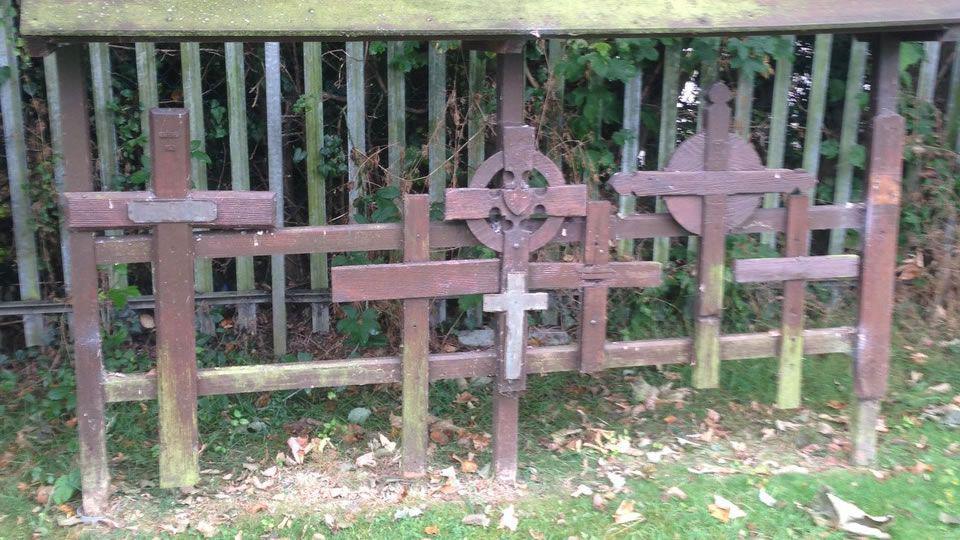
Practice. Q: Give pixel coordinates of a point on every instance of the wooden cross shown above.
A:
(714, 182)
(794, 269)
(514, 302)
(172, 209)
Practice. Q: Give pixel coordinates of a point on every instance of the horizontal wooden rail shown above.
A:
(796, 268)
(387, 236)
(354, 371)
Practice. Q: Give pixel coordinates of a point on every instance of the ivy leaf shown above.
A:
(65, 487)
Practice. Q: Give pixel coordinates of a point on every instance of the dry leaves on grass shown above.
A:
(476, 520)
(724, 510)
(832, 511)
(625, 513)
(509, 520)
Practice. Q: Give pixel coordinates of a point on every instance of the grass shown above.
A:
(41, 447)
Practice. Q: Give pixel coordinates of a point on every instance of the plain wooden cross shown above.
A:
(172, 209)
(514, 302)
(710, 198)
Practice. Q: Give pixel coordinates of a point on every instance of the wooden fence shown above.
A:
(37, 305)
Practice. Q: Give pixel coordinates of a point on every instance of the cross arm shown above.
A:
(476, 203)
(440, 279)
(806, 268)
(650, 183)
(138, 209)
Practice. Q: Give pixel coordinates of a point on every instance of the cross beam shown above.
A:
(172, 210)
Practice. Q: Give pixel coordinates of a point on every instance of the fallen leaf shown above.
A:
(598, 502)
(207, 529)
(581, 490)
(949, 519)
(431, 530)
(43, 494)
(766, 498)
(941, 388)
(625, 513)
(409, 512)
(146, 321)
(848, 517)
(724, 510)
(366, 460)
(477, 520)
(616, 481)
(269, 472)
(297, 447)
(509, 519)
(673, 493)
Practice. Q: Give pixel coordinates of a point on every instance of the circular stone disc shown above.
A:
(687, 209)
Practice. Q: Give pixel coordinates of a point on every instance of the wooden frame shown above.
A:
(177, 382)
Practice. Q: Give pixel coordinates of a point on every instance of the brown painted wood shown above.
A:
(476, 203)
(386, 236)
(809, 268)
(382, 370)
(791, 326)
(593, 318)
(108, 209)
(174, 313)
(416, 342)
(650, 183)
(439, 279)
(85, 322)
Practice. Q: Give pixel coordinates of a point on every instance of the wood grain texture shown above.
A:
(439, 279)
(387, 236)
(174, 313)
(593, 318)
(809, 268)
(109, 209)
(790, 375)
(383, 370)
(649, 183)
(476, 203)
(416, 342)
(706, 360)
(273, 19)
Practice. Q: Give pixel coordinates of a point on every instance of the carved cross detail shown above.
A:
(515, 301)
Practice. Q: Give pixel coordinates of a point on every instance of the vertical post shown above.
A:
(668, 132)
(356, 123)
(791, 328)
(596, 252)
(51, 76)
(514, 258)
(743, 106)
(953, 103)
(87, 355)
(929, 68)
(848, 136)
(782, 82)
(706, 337)
(437, 145)
(147, 90)
(629, 154)
(709, 71)
(416, 341)
(193, 101)
(278, 274)
(476, 140)
(239, 166)
(396, 113)
(100, 76)
(174, 313)
(817, 105)
(316, 182)
(872, 362)
(554, 93)
(18, 176)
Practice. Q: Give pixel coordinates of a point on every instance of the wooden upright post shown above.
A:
(416, 341)
(87, 356)
(791, 327)
(872, 362)
(173, 268)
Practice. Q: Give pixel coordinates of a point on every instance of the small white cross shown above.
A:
(515, 302)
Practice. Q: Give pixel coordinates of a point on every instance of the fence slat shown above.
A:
(278, 274)
(246, 317)
(629, 154)
(193, 101)
(709, 71)
(816, 106)
(437, 145)
(356, 123)
(100, 79)
(790, 376)
(779, 113)
(476, 139)
(668, 132)
(18, 177)
(415, 362)
(316, 181)
(848, 136)
(396, 113)
(953, 103)
(51, 77)
(929, 69)
(147, 90)
(743, 106)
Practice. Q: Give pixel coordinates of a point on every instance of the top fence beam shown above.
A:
(148, 20)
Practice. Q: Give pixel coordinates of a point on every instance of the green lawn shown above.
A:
(915, 479)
